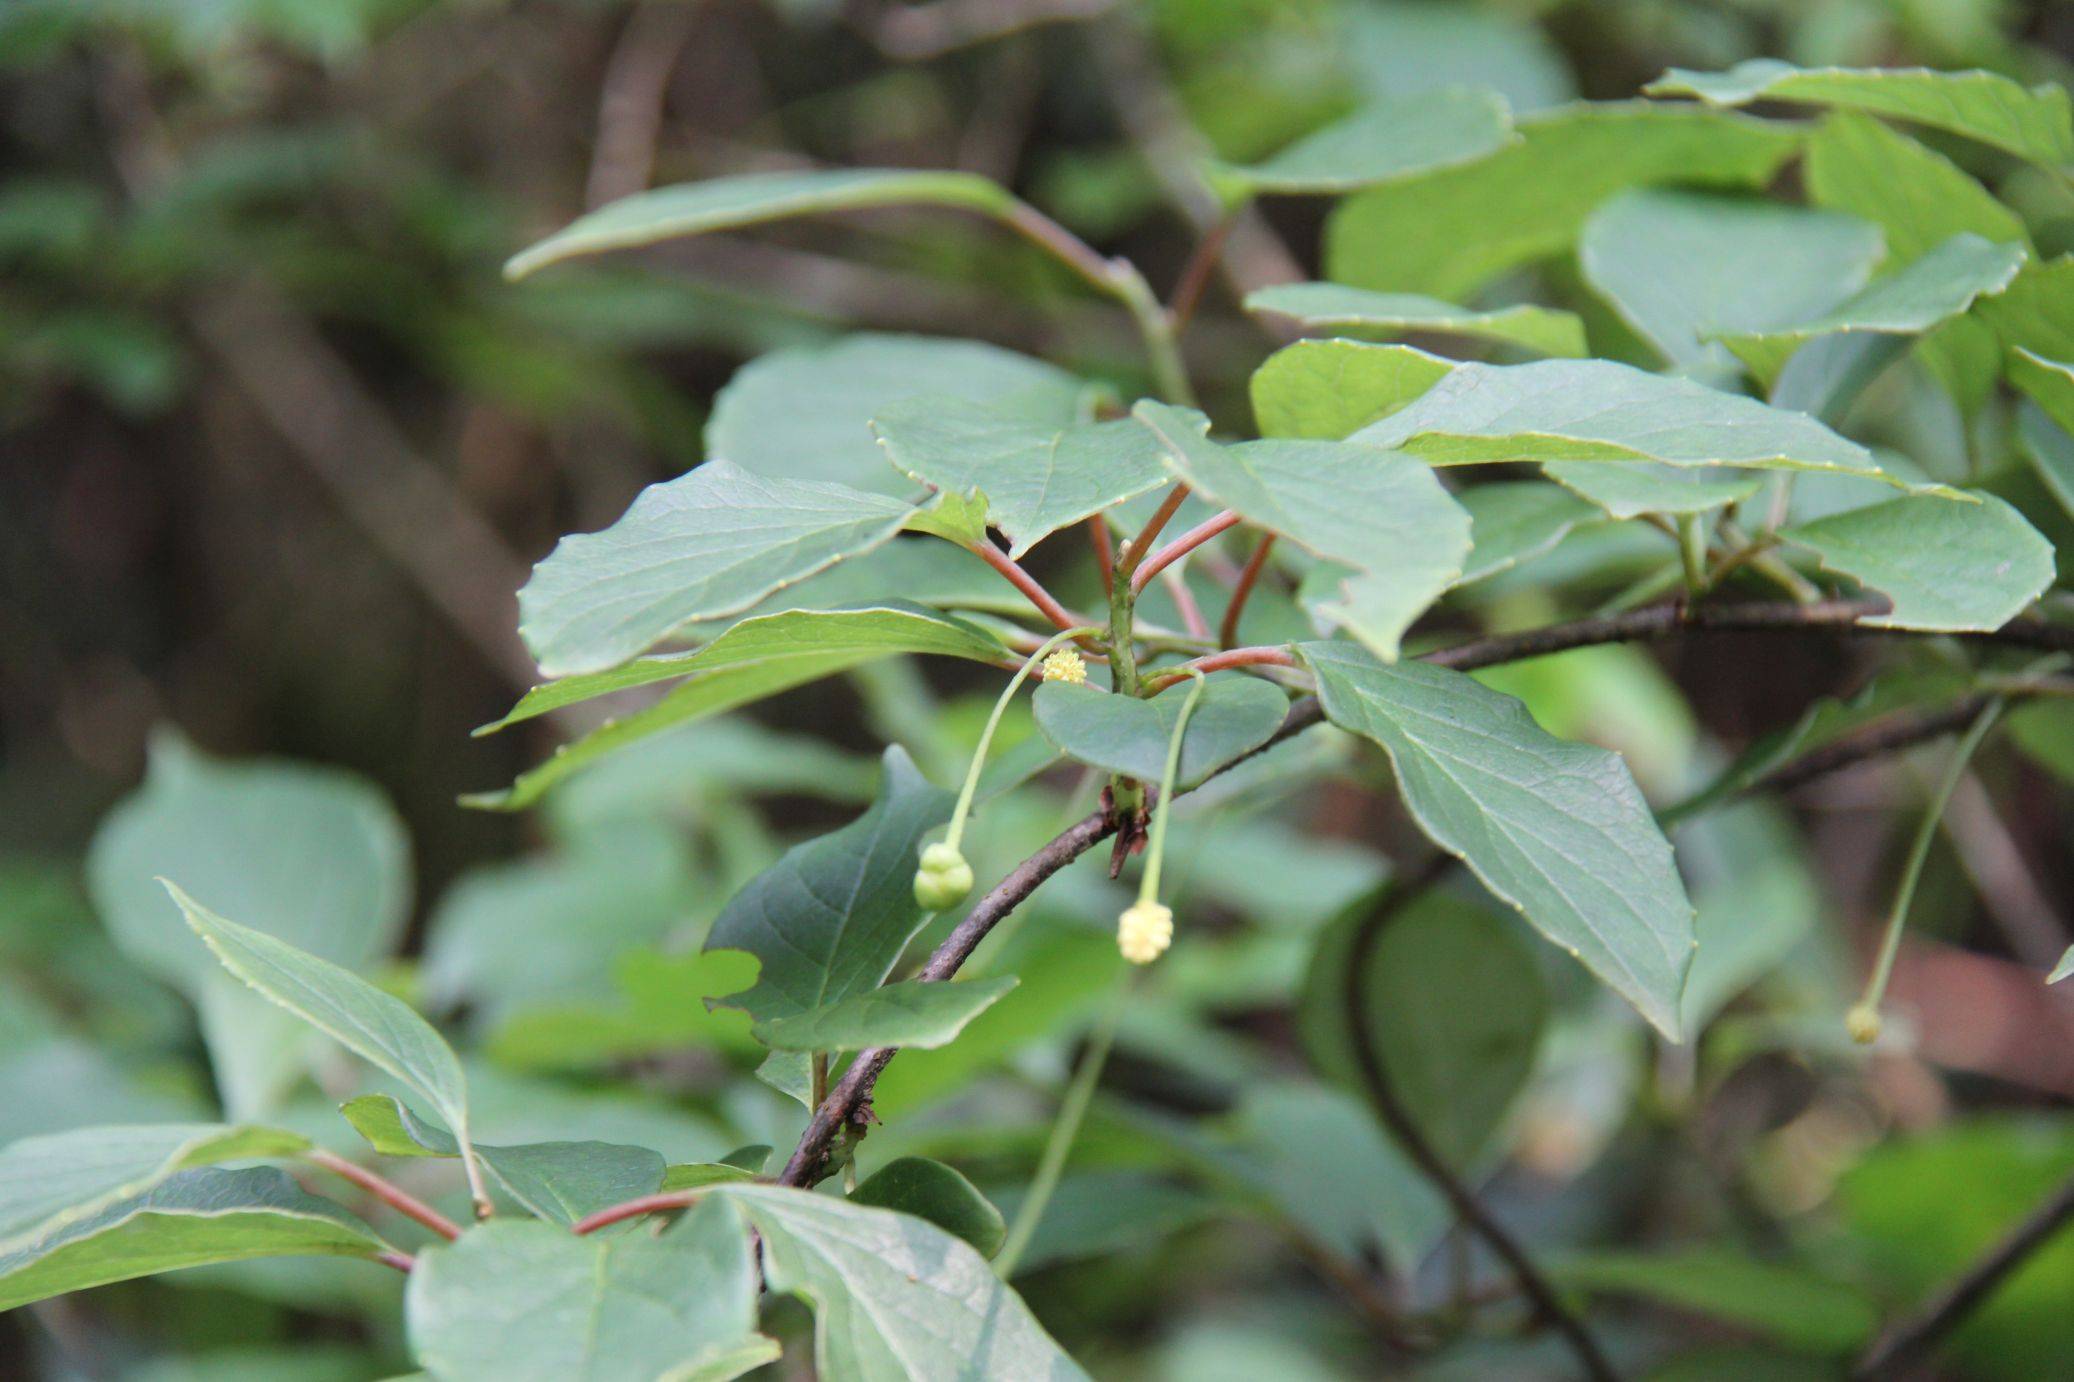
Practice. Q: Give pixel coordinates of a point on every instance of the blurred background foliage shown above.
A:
(280, 444)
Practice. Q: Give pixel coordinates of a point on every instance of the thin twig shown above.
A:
(1028, 584)
(853, 1091)
(1249, 576)
(388, 1192)
(1127, 561)
(1405, 1129)
(1195, 274)
(1105, 555)
(658, 1203)
(1184, 600)
(1262, 656)
(1909, 1339)
(401, 1261)
(1181, 547)
(630, 100)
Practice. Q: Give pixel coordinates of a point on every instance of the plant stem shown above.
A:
(1249, 576)
(1128, 561)
(1105, 556)
(853, 1090)
(1263, 656)
(963, 809)
(1184, 600)
(633, 1209)
(401, 1261)
(1064, 1129)
(1919, 850)
(1028, 584)
(388, 1192)
(1163, 809)
(1120, 279)
(1383, 1095)
(1195, 275)
(1123, 658)
(1692, 551)
(1906, 1341)
(1181, 546)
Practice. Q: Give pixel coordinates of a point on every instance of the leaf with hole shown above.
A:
(1558, 830)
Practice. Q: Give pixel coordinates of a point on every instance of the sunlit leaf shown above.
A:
(1363, 314)
(915, 1013)
(1387, 141)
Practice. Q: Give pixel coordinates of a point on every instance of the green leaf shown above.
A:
(1514, 521)
(522, 1301)
(792, 646)
(1036, 479)
(1940, 285)
(1235, 715)
(548, 927)
(695, 1175)
(758, 422)
(255, 835)
(188, 1220)
(930, 1190)
(1680, 267)
(1385, 142)
(664, 1010)
(2064, 969)
(1455, 1009)
(895, 1297)
(1626, 491)
(1325, 390)
(829, 919)
(1795, 1307)
(2036, 312)
(774, 653)
(1921, 200)
(49, 1182)
(1449, 232)
(2033, 122)
(2050, 383)
(1558, 830)
(1363, 314)
(726, 203)
(709, 543)
(379, 1028)
(560, 1181)
(1324, 1162)
(1386, 516)
(1598, 411)
(918, 1014)
(1945, 566)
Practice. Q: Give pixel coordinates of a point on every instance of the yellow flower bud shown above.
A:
(1144, 932)
(1863, 1023)
(944, 878)
(1066, 665)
